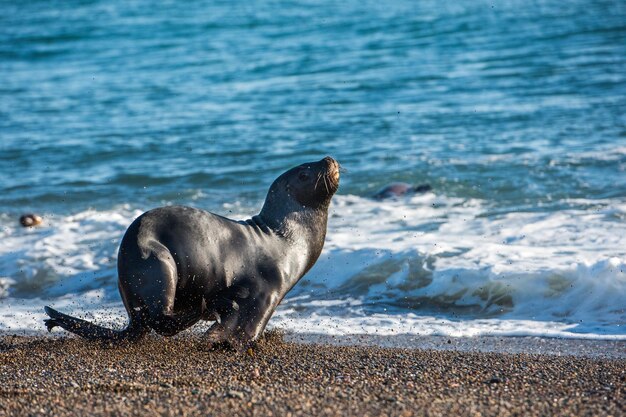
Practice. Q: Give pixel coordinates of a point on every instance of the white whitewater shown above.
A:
(428, 264)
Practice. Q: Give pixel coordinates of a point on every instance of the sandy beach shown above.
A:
(182, 376)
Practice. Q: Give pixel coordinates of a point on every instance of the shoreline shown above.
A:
(542, 345)
(182, 376)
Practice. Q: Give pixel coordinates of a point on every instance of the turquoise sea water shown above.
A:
(514, 111)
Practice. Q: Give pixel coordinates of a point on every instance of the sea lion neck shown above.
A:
(304, 231)
(305, 223)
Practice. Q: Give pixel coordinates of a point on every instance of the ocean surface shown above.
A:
(513, 111)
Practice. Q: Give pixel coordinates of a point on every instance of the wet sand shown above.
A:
(182, 376)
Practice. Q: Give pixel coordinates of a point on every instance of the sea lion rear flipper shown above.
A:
(51, 324)
(69, 323)
(54, 314)
(83, 328)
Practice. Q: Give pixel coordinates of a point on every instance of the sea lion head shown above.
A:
(307, 187)
(313, 184)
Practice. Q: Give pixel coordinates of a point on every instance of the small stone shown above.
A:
(235, 394)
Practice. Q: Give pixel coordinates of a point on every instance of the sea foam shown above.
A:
(425, 264)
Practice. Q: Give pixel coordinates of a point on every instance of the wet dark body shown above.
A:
(178, 265)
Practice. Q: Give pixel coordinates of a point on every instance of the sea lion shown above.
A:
(30, 220)
(398, 189)
(178, 265)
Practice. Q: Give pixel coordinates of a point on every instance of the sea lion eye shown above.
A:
(303, 176)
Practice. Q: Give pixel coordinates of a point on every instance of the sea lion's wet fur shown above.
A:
(178, 265)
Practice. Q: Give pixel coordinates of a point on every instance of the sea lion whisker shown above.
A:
(319, 176)
(325, 183)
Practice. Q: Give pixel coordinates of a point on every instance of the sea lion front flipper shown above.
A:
(243, 325)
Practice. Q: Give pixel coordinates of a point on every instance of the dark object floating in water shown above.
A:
(30, 220)
(398, 189)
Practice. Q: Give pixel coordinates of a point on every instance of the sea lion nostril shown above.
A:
(330, 162)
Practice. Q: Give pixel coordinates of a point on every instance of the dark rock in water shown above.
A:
(398, 189)
(30, 219)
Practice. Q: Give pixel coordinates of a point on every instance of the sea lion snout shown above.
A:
(332, 170)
